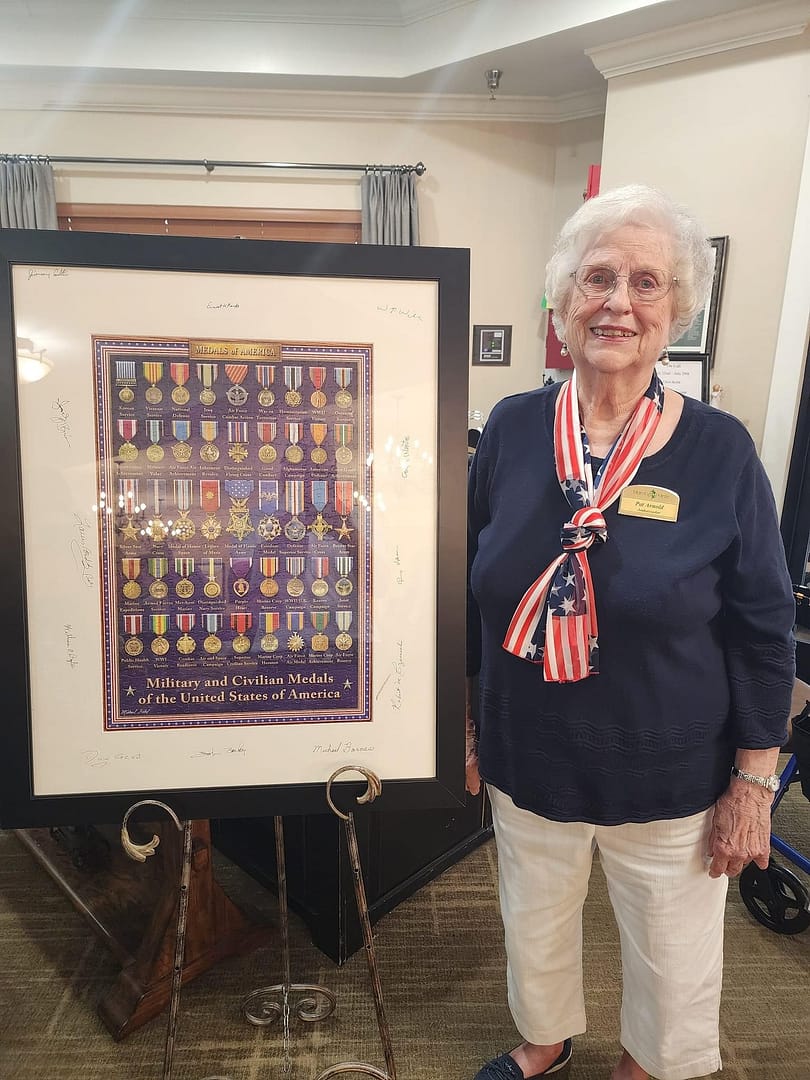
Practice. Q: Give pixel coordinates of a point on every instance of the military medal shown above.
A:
(295, 567)
(131, 568)
(127, 429)
(237, 440)
(320, 568)
(319, 496)
(212, 588)
(125, 378)
(207, 374)
(344, 622)
(184, 528)
(129, 503)
(344, 564)
(265, 376)
(184, 568)
(344, 501)
(158, 568)
(179, 375)
(318, 433)
(185, 623)
(156, 528)
(159, 624)
(295, 623)
(294, 454)
(318, 376)
(343, 436)
(267, 433)
(269, 567)
(181, 429)
(270, 621)
(209, 430)
(239, 524)
(240, 569)
(292, 380)
(343, 377)
(319, 620)
(236, 393)
(154, 429)
(133, 625)
(212, 621)
(269, 526)
(153, 370)
(209, 500)
(294, 504)
(240, 622)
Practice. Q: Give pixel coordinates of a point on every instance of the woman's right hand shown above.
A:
(472, 780)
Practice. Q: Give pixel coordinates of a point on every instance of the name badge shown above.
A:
(640, 500)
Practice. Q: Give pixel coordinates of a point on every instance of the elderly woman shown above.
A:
(636, 655)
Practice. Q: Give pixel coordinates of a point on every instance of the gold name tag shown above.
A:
(642, 501)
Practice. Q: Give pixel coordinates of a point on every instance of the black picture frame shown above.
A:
(447, 272)
(492, 345)
(700, 339)
(689, 374)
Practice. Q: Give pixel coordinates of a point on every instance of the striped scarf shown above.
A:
(555, 622)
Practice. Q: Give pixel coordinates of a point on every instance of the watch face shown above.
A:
(773, 783)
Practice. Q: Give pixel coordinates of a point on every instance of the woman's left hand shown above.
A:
(741, 829)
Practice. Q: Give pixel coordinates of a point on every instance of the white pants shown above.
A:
(670, 917)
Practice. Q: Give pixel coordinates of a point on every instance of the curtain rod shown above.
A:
(419, 168)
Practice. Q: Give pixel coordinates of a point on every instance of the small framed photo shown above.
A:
(699, 338)
(492, 345)
(689, 375)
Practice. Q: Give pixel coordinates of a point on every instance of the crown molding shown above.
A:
(704, 37)
(210, 101)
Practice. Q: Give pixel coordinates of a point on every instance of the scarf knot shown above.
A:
(555, 622)
(586, 526)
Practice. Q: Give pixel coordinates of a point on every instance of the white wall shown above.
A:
(490, 186)
(725, 134)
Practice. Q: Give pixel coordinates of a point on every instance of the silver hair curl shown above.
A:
(634, 204)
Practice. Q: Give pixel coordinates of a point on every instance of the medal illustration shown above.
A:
(184, 568)
(267, 432)
(294, 454)
(236, 393)
(209, 500)
(319, 496)
(318, 398)
(265, 375)
(213, 569)
(207, 374)
(131, 568)
(319, 620)
(128, 429)
(133, 625)
(129, 503)
(125, 378)
(153, 371)
(179, 376)
(344, 564)
(159, 624)
(186, 644)
(295, 568)
(343, 377)
(209, 430)
(320, 568)
(241, 622)
(269, 643)
(269, 566)
(126, 395)
(318, 432)
(344, 501)
(181, 429)
(156, 528)
(343, 436)
(344, 622)
(239, 524)
(295, 529)
(240, 569)
(292, 380)
(158, 568)
(183, 528)
(133, 646)
(212, 621)
(154, 429)
(212, 644)
(295, 624)
(237, 440)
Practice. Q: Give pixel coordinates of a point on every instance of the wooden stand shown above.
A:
(133, 909)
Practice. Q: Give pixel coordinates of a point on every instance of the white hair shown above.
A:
(634, 204)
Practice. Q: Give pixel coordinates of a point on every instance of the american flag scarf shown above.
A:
(555, 622)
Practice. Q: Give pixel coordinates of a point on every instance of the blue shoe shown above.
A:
(504, 1067)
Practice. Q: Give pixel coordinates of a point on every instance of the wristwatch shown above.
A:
(770, 783)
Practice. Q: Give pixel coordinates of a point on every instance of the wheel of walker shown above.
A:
(776, 898)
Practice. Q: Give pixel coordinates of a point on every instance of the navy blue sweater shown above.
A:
(695, 618)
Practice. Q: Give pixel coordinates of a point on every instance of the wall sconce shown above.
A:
(493, 77)
(32, 363)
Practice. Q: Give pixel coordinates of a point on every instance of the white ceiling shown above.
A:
(429, 48)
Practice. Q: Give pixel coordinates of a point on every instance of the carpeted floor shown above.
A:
(441, 961)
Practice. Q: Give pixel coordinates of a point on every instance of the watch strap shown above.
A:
(770, 783)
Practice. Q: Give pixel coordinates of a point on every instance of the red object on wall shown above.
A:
(594, 179)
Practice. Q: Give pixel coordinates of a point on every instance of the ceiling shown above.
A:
(437, 49)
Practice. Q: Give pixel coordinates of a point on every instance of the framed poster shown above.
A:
(689, 375)
(699, 338)
(228, 570)
(492, 345)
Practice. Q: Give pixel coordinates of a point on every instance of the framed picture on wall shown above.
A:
(689, 375)
(214, 590)
(700, 337)
(492, 346)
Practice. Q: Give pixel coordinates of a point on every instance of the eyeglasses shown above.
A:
(644, 286)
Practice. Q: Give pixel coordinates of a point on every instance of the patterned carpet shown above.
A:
(441, 962)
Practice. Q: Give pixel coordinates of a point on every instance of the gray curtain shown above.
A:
(27, 194)
(390, 213)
